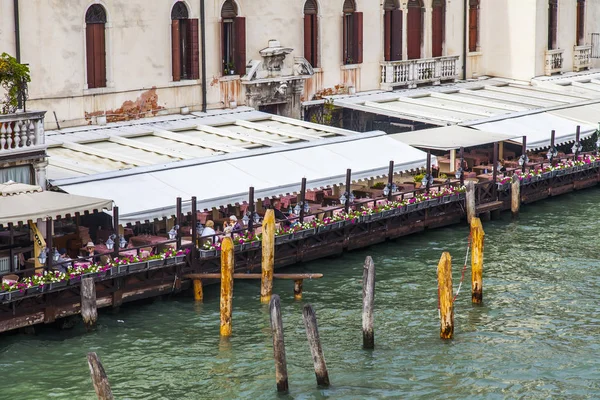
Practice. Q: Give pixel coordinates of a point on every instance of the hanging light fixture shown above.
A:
(173, 232)
(42, 256)
(297, 209)
(551, 153)
(343, 198)
(55, 255)
(386, 190)
(523, 159)
(576, 147)
(199, 228)
(351, 197)
(122, 242)
(256, 218)
(110, 242)
(306, 207)
(458, 173)
(245, 219)
(290, 211)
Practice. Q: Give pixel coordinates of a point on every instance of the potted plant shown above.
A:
(153, 261)
(418, 179)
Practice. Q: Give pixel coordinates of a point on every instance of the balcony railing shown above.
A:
(582, 57)
(554, 61)
(414, 72)
(22, 133)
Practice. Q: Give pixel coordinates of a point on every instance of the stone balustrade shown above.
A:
(582, 57)
(554, 61)
(411, 73)
(22, 132)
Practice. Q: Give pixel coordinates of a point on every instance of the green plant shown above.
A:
(14, 78)
(443, 176)
(379, 185)
(419, 178)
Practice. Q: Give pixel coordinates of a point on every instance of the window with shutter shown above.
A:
(473, 25)
(438, 17)
(95, 20)
(311, 32)
(552, 24)
(233, 40)
(392, 31)
(580, 22)
(184, 43)
(414, 29)
(352, 31)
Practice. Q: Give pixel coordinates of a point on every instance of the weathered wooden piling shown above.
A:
(227, 267)
(99, 378)
(446, 302)
(281, 376)
(89, 311)
(314, 342)
(368, 302)
(470, 200)
(198, 292)
(477, 238)
(268, 256)
(298, 289)
(515, 195)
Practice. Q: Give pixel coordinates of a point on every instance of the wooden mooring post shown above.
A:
(89, 311)
(368, 302)
(298, 289)
(470, 200)
(281, 375)
(268, 256)
(446, 302)
(515, 195)
(99, 378)
(477, 238)
(198, 292)
(314, 342)
(227, 268)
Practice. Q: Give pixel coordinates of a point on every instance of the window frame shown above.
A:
(96, 20)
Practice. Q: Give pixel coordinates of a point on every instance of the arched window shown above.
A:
(233, 38)
(95, 19)
(473, 25)
(392, 31)
(353, 34)
(414, 28)
(580, 22)
(184, 43)
(311, 32)
(438, 27)
(552, 24)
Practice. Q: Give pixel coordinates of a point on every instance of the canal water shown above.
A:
(537, 336)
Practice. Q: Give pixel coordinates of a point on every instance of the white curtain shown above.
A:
(20, 174)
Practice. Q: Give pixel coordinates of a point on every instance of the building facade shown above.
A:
(111, 60)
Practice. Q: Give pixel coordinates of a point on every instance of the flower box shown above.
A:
(32, 290)
(302, 234)
(179, 259)
(138, 266)
(365, 218)
(56, 285)
(208, 253)
(251, 245)
(237, 248)
(283, 238)
(324, 228)
(337, 225)
(389, 213)
(454, 197)
(75, 280)
(586, 166)
(462, 196)
(10, 296)
(91, 275)
(547, 175)
(562, 171)
(411, 207)
(502, 187)
(170, 260)
(401, 210)
(156, 263)
(376, 216)
(433, 202)
(526, 181)
(3, 296)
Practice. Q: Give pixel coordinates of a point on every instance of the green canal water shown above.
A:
(537, 336)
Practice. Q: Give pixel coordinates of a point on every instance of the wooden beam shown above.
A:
(483, 103)
(533, 95)
(136, 144)
(399, 110)
(239, 136)
(312, 125)
(492, 96)
(105, 154)
(277, 131)
(75, 166)
(207, 144)
(448, 107)
(254, 276)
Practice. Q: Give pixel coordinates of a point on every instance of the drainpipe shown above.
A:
(17, 34)
(465, 30)
(203, 44)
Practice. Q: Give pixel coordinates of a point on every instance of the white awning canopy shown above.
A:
(538, 128)
(21, 203)
(588, 114)
(450, 138)
(149, 193)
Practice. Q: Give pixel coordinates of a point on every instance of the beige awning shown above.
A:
(588, 114)
(20, 203)
(450, 137)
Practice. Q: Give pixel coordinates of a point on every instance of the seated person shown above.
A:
(235, 224)
(279, 215)
(208, 232)
(91, 250)
(62, 265)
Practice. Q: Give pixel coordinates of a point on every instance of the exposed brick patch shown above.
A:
(146, 105)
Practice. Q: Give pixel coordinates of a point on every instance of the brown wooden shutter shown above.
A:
(396, 35)
(239, 54)
(344, 39)
(552, 24)
(308, 38)
(580, 22)
(387, 35)
(358, 37)
(99, 56)
(473, 28)
(437, 30)
(194, 51)
(175, 50)
(315, 41)
(414, 31)
(89, 49)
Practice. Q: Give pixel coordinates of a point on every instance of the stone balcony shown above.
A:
(582, 57)
(411, 73)
(22, 133)
(554, 62)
